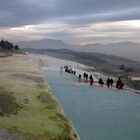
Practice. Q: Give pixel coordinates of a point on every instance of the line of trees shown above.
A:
(6, 45)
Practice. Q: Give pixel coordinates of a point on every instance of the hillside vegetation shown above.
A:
(7, 49)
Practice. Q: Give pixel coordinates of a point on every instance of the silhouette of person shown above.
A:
(111, 82)
(86, 76)
(108, 82)
(101, 83)
(90, 77)
(79, 77)
(91, 80)
(119, 84)
(71, 72)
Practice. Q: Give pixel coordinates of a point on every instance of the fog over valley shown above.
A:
(129, 50)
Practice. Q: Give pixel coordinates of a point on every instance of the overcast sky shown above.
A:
(73, 21)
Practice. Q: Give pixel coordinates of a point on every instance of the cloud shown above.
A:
(75, 21)
(27, 12)
(115, 31)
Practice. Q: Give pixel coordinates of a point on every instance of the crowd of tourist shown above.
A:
(89, 78)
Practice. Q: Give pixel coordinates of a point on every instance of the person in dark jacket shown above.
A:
(108, 82)
(111, 82)
(101, 83)
(79, 77)
(86, 77)
(91, 80)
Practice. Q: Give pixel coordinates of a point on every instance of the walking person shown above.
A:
(101, 83)
(111, 82)
(79, 77)
(108, 82)
(86, 77)
(119, 84)
(91, 80)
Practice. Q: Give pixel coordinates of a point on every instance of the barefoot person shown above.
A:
(86, 77)
(101, 83)
(108, 82)
(91, 80)
(79, 77)
(111, 82)
(119, 84)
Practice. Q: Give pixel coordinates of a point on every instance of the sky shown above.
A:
(73, 21)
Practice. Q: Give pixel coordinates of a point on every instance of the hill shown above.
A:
(44, 44)
(128, 50)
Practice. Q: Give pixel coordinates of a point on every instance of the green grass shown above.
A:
(8, 103)
(28, 107)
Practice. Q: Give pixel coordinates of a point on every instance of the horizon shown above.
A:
(69, 43)
(74, 22)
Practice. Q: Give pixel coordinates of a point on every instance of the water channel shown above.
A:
(97, 113)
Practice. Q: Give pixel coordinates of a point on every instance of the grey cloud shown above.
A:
(25, 12)
(122, 15)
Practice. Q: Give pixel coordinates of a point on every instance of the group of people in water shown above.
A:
(69, 70)
(89, 78)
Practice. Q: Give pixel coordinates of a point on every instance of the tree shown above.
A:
(2, 44)
(6, 45)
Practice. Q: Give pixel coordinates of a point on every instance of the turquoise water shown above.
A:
(97, 113)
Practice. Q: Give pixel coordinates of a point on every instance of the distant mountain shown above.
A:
(129, 50)
(44, 44)
(118, 44)
(125, 44)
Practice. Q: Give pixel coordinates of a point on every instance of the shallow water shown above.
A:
(97, 113)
